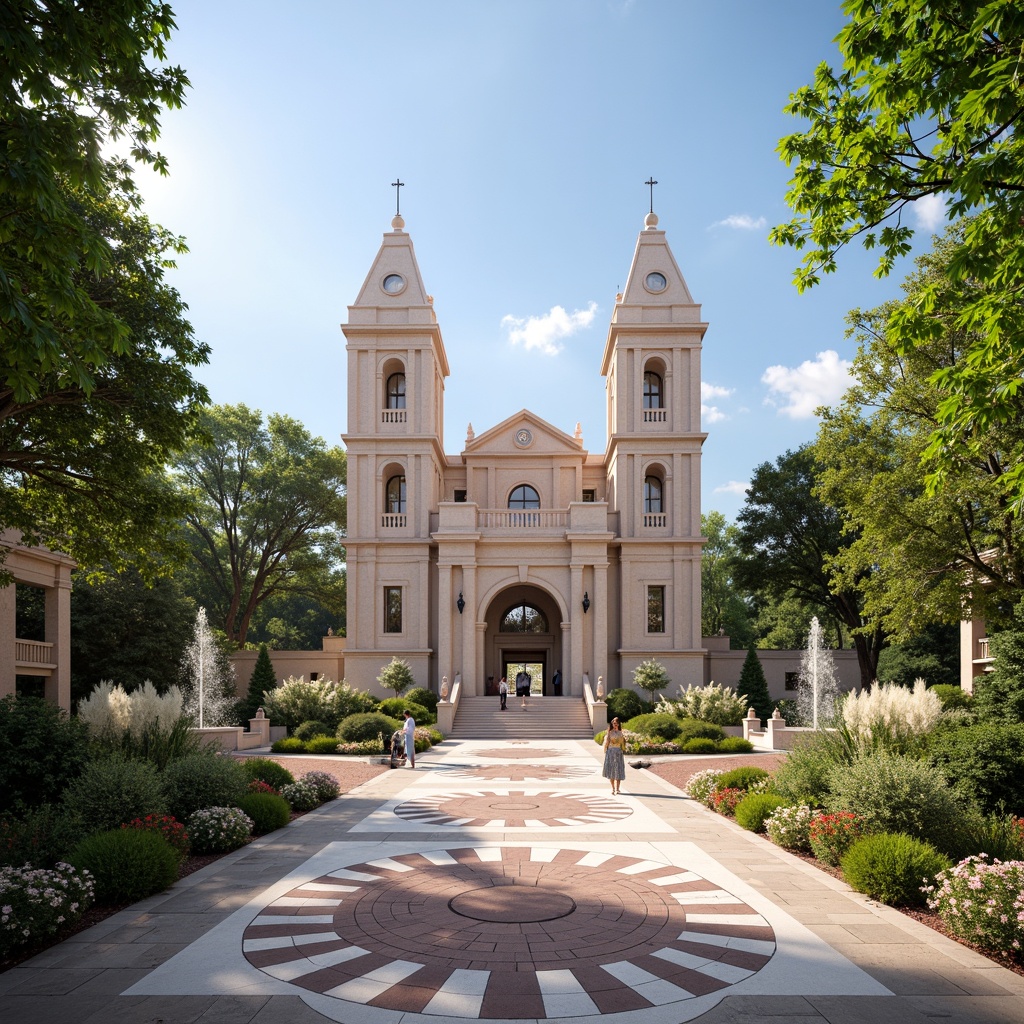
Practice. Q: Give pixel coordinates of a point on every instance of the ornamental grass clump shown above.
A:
(789, 827)
(982, 902)
(36, 903)
(890, 867)
(755, 808)
(219, 829)
(891, 714)
(701, 785)
(831, 835)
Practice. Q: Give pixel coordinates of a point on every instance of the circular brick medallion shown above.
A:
(520, 772)
(504, 753)
(513, 809)
(509, 933)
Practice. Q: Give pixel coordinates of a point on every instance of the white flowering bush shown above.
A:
(302, 795)
(720, 705)
(790, 827)
(892, 712)
(219, 829)
(110, 709)
(982, 902)
(701, 785)
(321, 700)
(36, 903)
(325, 784)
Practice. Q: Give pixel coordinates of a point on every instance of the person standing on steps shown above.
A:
(409, 731)
(503, 693)
(614, 769)
(556, 683)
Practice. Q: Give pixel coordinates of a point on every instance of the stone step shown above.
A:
(544, 718)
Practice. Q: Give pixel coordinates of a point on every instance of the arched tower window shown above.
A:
(394, 495)
(654, 501)
(396, 391)
(653, 390)
(524, 618)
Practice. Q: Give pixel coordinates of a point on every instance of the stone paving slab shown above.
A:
(580, 908)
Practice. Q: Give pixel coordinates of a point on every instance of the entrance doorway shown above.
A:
(531, 662)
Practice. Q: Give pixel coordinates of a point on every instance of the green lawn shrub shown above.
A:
(266, 770)
(267, 812)
(892, 867)
(625, 704)
(700, 746)
(312, 728)
(755, 808)
(288, 745)
(658, 726)
(112, 790)
(42, 750)
(897, 793)
(322, 745)
(436, 736)
(127, 864)
(41, 837)
(367, 726)
(952, 696)
(204, 779)
(985, 762)
(299, 700)
(695, 729)
(394, 706)
(742, 778)
(805, 776)
(735, 745)
(997, 836)
(425, 698)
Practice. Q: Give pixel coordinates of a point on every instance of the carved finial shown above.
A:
(579, 431)
(469, 432)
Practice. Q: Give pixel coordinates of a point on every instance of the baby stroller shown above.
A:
(397, 749)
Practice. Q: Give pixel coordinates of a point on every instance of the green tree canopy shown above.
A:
(723, 606)
(268, 512)
(914, 555)
(926, 105)
(787, 536)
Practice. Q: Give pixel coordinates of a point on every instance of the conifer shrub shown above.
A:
(113, 790)
(204, 779)
(754, 686)
(755, 808)
(659, 726)
(266, 770)
(367, 726)
(734, 745)
(700, 746)
(312, 728)
(263, 680)
(892, 867)
(742, 778)
(126, 864)
(266, 811)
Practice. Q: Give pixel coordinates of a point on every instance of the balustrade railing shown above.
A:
(655, 415)
(33, 652)
(522, 519)
(393, 520)
(393, 416)
(655, 519)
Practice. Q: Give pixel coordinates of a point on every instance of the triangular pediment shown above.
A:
(394, 285)
(523, 433)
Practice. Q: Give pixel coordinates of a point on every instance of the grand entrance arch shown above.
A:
(524, 633)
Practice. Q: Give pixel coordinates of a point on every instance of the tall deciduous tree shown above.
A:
(787, 537)
(926, 107)
(917, 556)
(269, 512)
(723, 608)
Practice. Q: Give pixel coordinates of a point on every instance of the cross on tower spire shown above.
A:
(397, 184)
(651, 182)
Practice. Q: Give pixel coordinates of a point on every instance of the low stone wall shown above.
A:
(230, 738)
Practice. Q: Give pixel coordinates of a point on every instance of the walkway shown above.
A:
(502, 881)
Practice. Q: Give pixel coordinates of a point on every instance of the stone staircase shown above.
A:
(546, 718)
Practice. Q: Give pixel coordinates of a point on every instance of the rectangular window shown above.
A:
(590, 495)
(792, 680)
(392, 609)
(655, 609)
(460, 495)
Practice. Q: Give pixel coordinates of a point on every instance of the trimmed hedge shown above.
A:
(658, 725)
(367, 726)
(892, 867)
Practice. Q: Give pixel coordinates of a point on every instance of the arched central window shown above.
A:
(524, 618)
(652, 390)
(524, 496)
(652, 494)
(396, 391)
(394, 495)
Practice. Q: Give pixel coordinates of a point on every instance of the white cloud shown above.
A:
(733, 487)
(708, 412)
(930, 211)
(799, 391)
(543, 332)
(741, 222)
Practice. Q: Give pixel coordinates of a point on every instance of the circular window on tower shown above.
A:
(655, 282)
(393, 284)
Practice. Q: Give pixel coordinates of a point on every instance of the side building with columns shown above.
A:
(524, 549)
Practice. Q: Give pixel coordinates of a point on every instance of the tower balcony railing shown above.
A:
(522, 519)
(655, 415)
(655, 520)
(393, 520)
(580, 517)
(393, 416)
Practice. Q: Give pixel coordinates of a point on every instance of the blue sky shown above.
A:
(524, 132)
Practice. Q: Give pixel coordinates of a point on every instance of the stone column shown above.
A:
(8, 629)
(471, 664)
(58, 633)
(573, 674)
(445, 653)
(599, 659)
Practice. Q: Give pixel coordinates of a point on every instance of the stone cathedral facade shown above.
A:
(524, 548)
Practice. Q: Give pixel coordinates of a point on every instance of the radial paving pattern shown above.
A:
(520, 772)
(513, 809)
(509, 932)
(519, 753)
